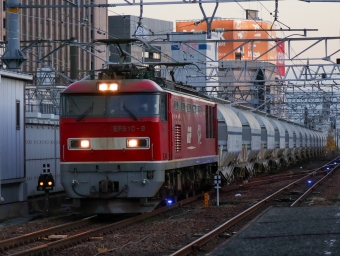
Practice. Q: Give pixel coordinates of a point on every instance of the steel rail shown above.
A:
(228, 224)
(307, 193)
(24, 239)
(85, 235)
(207, 237)
(99, 231)
(8, 243)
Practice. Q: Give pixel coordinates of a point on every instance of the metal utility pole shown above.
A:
(73, 59)
(13, 56)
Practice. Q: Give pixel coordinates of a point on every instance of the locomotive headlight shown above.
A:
(108, 87)
(137, 143)
(79, 144)
(41, 183)
(84, 143)
(132, 143)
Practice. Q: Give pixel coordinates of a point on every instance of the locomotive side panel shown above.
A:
(194, 132)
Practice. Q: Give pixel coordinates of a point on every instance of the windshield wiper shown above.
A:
(130, 113)
(88, 110)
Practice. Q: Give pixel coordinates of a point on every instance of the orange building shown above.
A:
(238, 30)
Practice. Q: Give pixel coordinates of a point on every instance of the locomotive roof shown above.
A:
(126, 85)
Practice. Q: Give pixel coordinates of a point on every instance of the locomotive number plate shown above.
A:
(132, 128)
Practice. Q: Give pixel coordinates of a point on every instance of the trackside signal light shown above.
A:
(45, 182)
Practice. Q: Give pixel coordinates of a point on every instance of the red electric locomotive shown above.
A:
(129, 141)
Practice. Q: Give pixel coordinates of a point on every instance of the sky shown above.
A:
(293, 13)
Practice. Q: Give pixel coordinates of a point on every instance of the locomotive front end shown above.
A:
(112, 158)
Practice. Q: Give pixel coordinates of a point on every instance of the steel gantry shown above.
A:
(308, 91)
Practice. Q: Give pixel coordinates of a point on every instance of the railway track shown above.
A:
(16, 242)
(318, 176)
(13, 245)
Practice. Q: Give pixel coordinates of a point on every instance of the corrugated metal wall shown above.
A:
(42, 153)
(12, 128)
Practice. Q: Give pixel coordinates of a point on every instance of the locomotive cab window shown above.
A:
(82, 105)
(109, 105)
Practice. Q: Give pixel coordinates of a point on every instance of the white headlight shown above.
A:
(79, 144)
(137, 143)
(114, 87)
(85, 144)
(103, 87)
(108, 87)
(132, 143)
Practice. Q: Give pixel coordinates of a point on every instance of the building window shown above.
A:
(5, 38)
(4, 23)
(146, 55)
(156, 56)
(4, 5)
(17, 118)
(188, 107)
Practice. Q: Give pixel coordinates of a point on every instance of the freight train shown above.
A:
(130, 141)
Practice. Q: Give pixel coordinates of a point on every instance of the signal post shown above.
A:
(217, 181)
(46, 183)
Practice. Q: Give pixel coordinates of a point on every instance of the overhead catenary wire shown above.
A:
(94, 28)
